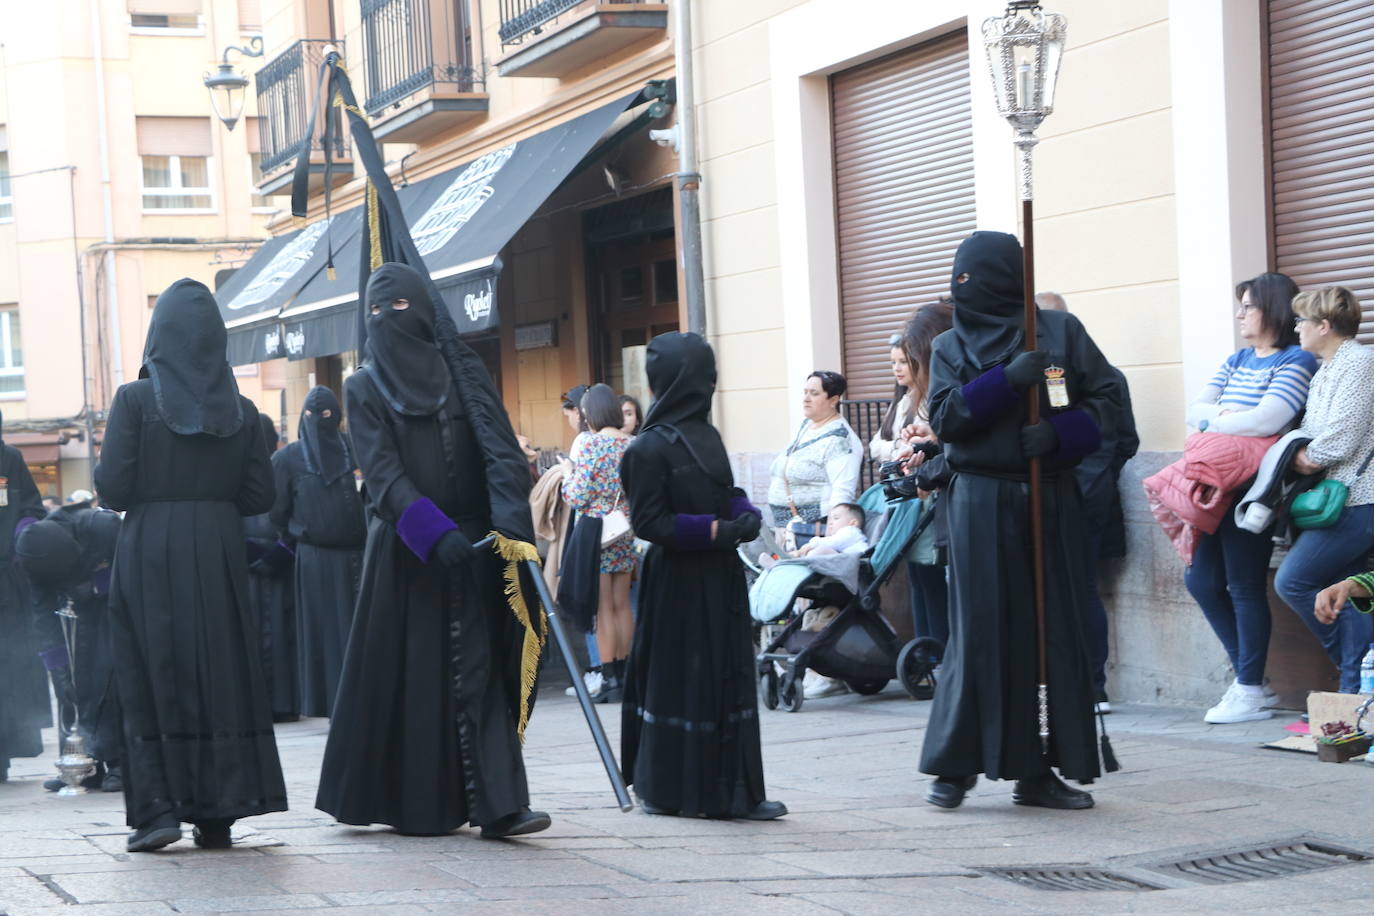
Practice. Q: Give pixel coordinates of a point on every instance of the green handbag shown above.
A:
(1319, 507)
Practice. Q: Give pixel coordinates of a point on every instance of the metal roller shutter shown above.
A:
(1321, 78)
(903, 143)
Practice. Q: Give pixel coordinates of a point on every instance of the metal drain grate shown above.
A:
(1264, 862)
(1071, 879)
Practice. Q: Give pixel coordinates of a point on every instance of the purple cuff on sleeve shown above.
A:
(990, 395)
(55, 657)
(282, 545)
(422, 525)
(740, 505)
(1078, 434)
(23, 523)
(692, 532)
(100, 580)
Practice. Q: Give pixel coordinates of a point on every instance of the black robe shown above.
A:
(95, 531)
(272, 599)
(326, 525)
(689, 734)
(197, 718)
(984, 717)
(25, 707)
(424, 734)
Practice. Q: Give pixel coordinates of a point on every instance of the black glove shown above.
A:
(454, 550)
(273, 562)
(1028, 368)
(731, 532)
(1038, 440)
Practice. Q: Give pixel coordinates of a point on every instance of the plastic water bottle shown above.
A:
(1367, 672)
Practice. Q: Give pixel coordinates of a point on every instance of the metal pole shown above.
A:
(688, 178)
(103, 141)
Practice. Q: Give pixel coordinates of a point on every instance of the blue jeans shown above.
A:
(1228, 580)
(1322, 557)
(929, 601)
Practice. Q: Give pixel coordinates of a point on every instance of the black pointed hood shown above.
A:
(401, 343)
(681, 368)
(326, 452)
(989, 316)
(270, 437)
(184, 356)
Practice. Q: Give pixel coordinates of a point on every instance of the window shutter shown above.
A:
(1321, 77)
(166, 7)
(250, 16)
(903, 143)
(174, 137)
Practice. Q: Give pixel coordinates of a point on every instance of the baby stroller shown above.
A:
(857, 646)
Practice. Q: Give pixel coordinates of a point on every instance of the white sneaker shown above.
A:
(1238, 705)
(1271, 699)
(816, 686)
(592, 679)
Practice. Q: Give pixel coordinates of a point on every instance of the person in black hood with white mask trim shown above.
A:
(984, 718)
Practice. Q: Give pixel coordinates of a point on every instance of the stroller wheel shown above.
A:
(768, 687)
(866, 688)
(914, 666)
(790, 692)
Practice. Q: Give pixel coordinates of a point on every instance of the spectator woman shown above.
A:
(887, 442)
(633, 413)
(1258, 391)
(820, 468)
(1337, 419)
(593, 489)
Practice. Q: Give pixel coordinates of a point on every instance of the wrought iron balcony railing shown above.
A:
(411, 44)
(286, 90)
(523, 18)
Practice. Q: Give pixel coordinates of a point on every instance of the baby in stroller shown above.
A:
(844, 533)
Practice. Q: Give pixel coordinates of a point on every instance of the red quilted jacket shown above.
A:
(1192, 495)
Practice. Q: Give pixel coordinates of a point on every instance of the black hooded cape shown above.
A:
(272, 595)
(197, 719)
(320, 513)
(24, 697)
(689, 720)
(68, 557)
(436, 678)
(984, 717)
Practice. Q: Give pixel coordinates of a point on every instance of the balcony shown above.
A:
(556, 38)
(287, 87)
(422, 78)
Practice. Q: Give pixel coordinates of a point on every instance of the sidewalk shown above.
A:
(859, 838)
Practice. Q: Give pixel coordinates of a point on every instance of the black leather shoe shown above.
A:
(113, 781)
(517, 824)
(212, 834)
(949, 791)
(157, 833)
(767, 811)
(654, 809)
(1049, 791)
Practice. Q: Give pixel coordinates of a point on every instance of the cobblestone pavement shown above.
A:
(859, 838)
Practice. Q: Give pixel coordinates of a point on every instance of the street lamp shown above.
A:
(227, 86)
(1024, 47)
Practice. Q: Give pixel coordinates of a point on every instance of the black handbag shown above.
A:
(579, 574)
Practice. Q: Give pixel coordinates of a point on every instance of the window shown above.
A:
(177, 183)
(6, 198)
(11, 355)
(261, 202)
(164, 21)
(165, 17)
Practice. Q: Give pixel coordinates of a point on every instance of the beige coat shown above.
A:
(551, 513)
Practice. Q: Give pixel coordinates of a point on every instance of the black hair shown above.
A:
(573, 397)
(1272, 294)
(856, 509)
(639, 411)
(601, 408)
(832, 383)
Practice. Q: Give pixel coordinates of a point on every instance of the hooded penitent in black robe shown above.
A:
(320, 513)
(439, 670)
(984, 718)
(184, 458)
(24, 700)
(689, 732)
(68, 557)
(272, 598)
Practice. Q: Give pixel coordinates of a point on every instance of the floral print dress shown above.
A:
(593, 489)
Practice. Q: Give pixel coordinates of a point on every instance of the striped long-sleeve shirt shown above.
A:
(1261, 395)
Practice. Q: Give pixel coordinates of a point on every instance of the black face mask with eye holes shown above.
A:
(401, 350)
(988, 297)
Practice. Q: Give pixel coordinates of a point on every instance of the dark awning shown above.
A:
(460, 220)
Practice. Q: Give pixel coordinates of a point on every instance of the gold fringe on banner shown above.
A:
(374, 228)
(514, 553)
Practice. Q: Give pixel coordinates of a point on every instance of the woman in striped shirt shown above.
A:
(1259, 391)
